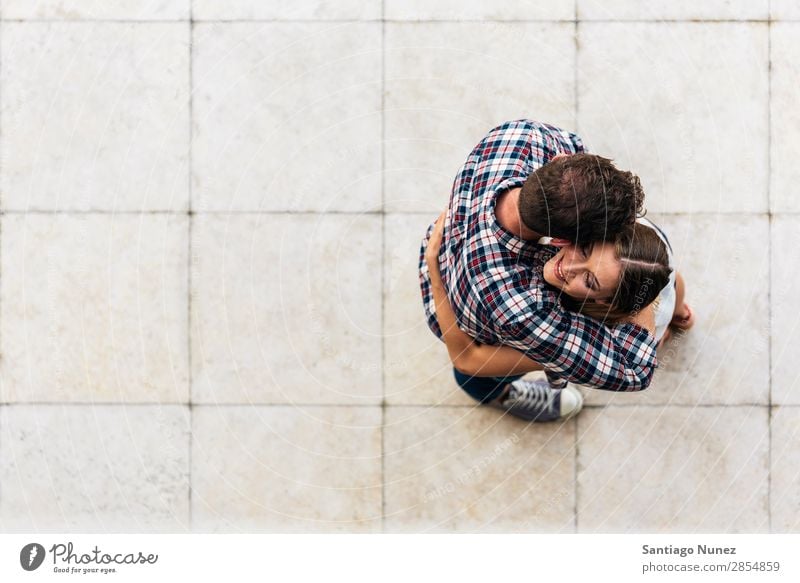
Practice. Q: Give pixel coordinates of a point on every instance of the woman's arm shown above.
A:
(467, 355)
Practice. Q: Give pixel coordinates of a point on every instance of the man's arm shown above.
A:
(565, 141)
(526, 144)
(584, 351)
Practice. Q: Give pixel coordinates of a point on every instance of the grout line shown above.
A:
(660, 21)
(279, 21)
(182, 212)
(381, 404)
(678, 405)
(575, 92)
(769, 267)
(93, 20)
(383, 265)
(390, 20)
(2, 189)
(189, 246)
(2, 224)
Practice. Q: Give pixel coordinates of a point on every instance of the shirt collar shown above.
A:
(506, 238)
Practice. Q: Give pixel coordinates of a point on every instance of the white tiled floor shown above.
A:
(94, 308)
(685, 104)
(673, 469)
(468, 469)
(101, 468)
(96, 9)
(271, 97)
(299, 469)
(95, 116)
(284, 310)
(210, 220)
(627, 10)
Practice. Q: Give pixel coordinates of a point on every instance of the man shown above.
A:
(527, 180)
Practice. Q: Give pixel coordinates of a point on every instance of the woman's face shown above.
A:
(591, 272)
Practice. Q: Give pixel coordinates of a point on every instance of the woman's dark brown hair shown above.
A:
(581, 197)
(645, 272)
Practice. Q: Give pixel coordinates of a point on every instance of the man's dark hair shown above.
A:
(582, 197)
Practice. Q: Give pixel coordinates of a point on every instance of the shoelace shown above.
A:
(532, 396)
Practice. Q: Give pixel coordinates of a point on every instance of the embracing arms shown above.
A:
(584, 351)
(468, 356)
(569, 345)
(574, 347)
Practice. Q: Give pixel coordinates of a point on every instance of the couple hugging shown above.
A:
(542, 261)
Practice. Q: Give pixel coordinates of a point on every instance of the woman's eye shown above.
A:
(588, 284)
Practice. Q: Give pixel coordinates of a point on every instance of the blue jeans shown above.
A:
(483, 389)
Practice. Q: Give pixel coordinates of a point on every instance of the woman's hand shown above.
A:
(467, 355)
(434, 244)
(646, 318)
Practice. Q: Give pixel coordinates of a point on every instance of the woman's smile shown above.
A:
(559, 271)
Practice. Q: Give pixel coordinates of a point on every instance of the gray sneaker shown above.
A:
(536, 401)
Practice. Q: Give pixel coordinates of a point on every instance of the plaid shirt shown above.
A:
(495, 280)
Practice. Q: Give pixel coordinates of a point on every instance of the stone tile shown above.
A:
(99, 468)
(785, 323)
(417, 367)
(684, 105)
(680, 10)
(457, 469)
(300, 10)
(95, 116)
(724, 359)
(479, 10)
(287, 117)
(286, 308)
(784, 10)
(286, 469)
(785, 119)
(94, 308)
(673, 469)
(448, 84)
(785, 475)
(96, 9)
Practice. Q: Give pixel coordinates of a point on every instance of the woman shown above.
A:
(606, 280)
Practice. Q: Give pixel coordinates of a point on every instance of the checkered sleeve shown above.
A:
(563, 141)
(523, 142)
(584, 351)
(425, 285)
